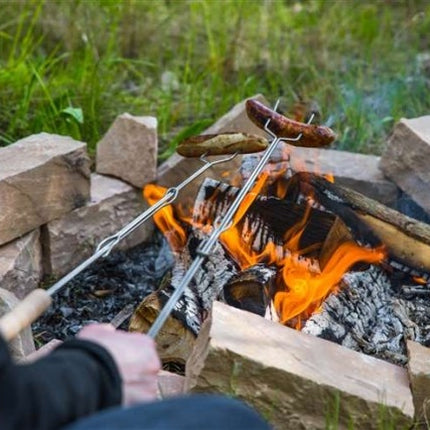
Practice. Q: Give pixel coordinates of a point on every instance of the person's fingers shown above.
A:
(96, 328)
(143, 390)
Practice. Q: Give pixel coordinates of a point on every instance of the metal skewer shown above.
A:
(206, 246)
(29, 309)
(105, 246)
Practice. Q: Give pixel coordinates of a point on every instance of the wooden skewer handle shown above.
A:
(24, 313)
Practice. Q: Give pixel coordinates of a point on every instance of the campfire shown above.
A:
(299, 282)
(303, 257)
(300, 251)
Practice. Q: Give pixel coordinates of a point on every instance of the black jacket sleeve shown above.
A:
(76, 379)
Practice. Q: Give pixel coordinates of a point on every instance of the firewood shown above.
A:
(406, 239)
(290, 377)
(267, 219)
(366, 316)
(337, 235)
(175, 341)
(176, 337)
(251, 289)
(270, 218)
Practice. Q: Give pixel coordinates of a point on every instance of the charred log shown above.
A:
(267, 219)
(252, 289)
(177, 335)
(371, 223)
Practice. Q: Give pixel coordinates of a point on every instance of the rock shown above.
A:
(21, 264)
(170, 384)
(71, 239)
(291, 377)
(419, 375)
(406, 159)
(23, 344)
(176, 169)
(41, 178)
(129, 150)
(357, 171)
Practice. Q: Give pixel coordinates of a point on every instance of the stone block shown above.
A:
(419, 375)
(292, 378)
(23, 344)
(69, 240)
(41, 178)
(407, 156)
(357, 171)
(21, 264)
(177, 168)
(170, 384)
(129, 150)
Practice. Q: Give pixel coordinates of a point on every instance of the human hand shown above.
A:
(136, 357)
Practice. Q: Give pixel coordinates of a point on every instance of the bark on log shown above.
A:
(291, 377)
(175, 341)
(406, 239)
(177, 335)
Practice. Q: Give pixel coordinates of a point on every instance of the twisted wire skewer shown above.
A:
(32, 306)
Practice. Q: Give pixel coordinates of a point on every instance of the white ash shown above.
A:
(367, 315)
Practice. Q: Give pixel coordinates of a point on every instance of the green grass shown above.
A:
(385, 419)
(71, 67)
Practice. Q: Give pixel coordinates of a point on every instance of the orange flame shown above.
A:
(301, 285)
(238, 243)
(165, 218)
(304, 289)
(419, 280)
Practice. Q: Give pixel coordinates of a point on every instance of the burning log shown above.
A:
(176, 338)
(268, 219)
(406, 239)
(252, 289)
(274, 219)
(372, 315)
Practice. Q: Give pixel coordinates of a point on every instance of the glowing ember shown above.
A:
(301, 285)
(419, 280)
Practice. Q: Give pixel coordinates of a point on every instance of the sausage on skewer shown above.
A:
(220, 144)
(312, 135)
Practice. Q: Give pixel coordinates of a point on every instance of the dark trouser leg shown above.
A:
(199, 412)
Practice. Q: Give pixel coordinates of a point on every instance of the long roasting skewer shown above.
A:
(206, 246)
(29, 309)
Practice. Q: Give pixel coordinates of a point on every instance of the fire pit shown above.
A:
(301, 252)
(297, 263)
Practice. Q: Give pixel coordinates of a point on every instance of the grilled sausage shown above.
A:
(219, 144)
(312, 135)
